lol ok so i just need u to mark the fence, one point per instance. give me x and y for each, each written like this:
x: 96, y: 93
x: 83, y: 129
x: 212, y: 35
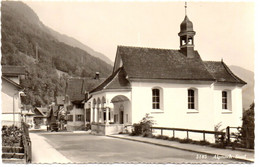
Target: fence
x: 204, y: 132
x: 26, y: 143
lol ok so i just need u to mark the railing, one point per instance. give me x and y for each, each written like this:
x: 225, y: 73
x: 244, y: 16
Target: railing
x: 204, y: 132
x: 26, y: 143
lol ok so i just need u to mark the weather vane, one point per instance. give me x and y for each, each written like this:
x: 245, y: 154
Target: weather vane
x: 185, y: 8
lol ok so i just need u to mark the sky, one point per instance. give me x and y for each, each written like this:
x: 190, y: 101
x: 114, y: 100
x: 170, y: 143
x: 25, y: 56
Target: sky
x: 224, y: 30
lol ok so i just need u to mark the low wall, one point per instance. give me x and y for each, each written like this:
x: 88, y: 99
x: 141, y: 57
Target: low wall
x: 75, y: 125
x: 74, y: 128
x: 103, y: 129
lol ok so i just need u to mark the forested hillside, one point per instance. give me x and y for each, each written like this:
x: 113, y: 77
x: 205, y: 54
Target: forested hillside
x: 248, y: 89
x: 73, y: 42
x: 23, y: 34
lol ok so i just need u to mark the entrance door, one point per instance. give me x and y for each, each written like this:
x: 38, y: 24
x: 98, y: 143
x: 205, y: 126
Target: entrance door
x: 121, y: 117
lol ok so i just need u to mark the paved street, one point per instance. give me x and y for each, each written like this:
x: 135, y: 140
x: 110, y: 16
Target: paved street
x: 86, y: 148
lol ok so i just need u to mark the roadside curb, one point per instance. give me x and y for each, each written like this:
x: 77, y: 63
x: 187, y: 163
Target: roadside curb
x: 185, y: 149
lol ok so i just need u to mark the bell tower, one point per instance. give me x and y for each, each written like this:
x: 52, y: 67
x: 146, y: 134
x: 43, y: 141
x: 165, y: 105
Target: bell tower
x: 187, y: 36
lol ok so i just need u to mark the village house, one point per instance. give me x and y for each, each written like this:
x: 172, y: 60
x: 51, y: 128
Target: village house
x: 61, y: 111
x: 40, y: 117
x: 55, y: 112
x: 12, y: 92
x: 176, y: 87
x: 27, y: 117
x: 76, y: 92
x: 52, y: 115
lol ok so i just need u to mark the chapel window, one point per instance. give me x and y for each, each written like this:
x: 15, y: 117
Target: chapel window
x: 224, y: 100
x: 191, y: 99
x: 156, y: 99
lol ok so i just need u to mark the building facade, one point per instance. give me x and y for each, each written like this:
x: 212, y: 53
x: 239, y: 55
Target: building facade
x: 11, y: 94
x: 75, y: 95
x: 176, y: 87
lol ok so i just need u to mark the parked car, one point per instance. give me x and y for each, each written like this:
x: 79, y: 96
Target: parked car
x: 54, y: 127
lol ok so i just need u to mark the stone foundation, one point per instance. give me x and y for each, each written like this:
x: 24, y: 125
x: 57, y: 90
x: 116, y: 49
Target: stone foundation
x: 102, y: 129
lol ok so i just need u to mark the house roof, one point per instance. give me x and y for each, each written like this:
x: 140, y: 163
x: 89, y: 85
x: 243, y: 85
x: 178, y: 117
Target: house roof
x: 8, y: 70
x: 221, y: 72
x: 77, y: 87
x: 39, y: 111
x: 60, y: 100
x: 62, y: 110
x: 11, y: 82
x: 153, y: 63
x: 116, y: 81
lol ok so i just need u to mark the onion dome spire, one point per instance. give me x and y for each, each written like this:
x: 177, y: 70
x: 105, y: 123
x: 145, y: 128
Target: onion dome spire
x: 187, y: 36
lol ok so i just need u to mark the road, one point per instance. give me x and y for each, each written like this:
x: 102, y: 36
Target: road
x: 86, y: 148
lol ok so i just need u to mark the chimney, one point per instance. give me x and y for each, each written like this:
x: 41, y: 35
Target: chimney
x: 97, y: 75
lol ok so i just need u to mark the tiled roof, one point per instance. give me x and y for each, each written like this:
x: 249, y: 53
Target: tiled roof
x: 221, y: 72
x: 13, y: 70
x: 41, y: 111
x: 60, y: 100
x: 116, y: 81
x: 77, y: 87
x: 11, y: 82
x: 53, y: 110
x: 152, y: 63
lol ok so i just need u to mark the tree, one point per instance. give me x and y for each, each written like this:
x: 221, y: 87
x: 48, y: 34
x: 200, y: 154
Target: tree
x: 248, y: 127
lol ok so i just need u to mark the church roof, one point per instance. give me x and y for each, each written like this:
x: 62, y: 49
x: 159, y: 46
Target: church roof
x: 152, y: 63
x: 164, y: 64
x: 221, y: 72
x: 186, y: 25
x: 116, y: 81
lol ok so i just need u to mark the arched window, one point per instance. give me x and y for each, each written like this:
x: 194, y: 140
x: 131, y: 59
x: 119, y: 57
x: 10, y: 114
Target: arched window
x: 224, y: 100
x: 190, y: 41
x: 156, y: 98
x: 191, y: 99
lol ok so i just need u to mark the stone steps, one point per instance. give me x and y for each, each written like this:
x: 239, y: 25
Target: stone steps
x: 10, y: 149
x: 13, y: 161
x: 12, y: 155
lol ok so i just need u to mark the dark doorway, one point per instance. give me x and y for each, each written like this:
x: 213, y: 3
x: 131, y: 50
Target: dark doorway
x: 121, y: 117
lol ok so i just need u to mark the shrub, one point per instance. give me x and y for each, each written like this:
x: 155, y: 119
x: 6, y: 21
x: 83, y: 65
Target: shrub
x: 165, y: 137
x: 148, y: 134
x: 88, y: 126
x: 137, y: 129
x: 202, y: 142
x: 219, y: 145
x: 11, y: 136
x: 143, y: 127
x: 162, y: 137
x: 185, y: 141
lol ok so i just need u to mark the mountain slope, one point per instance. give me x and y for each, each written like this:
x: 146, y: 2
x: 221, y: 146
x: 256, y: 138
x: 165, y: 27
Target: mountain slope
x: 24, y: 35
x: 248, y: 89
x: 75, y: 43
